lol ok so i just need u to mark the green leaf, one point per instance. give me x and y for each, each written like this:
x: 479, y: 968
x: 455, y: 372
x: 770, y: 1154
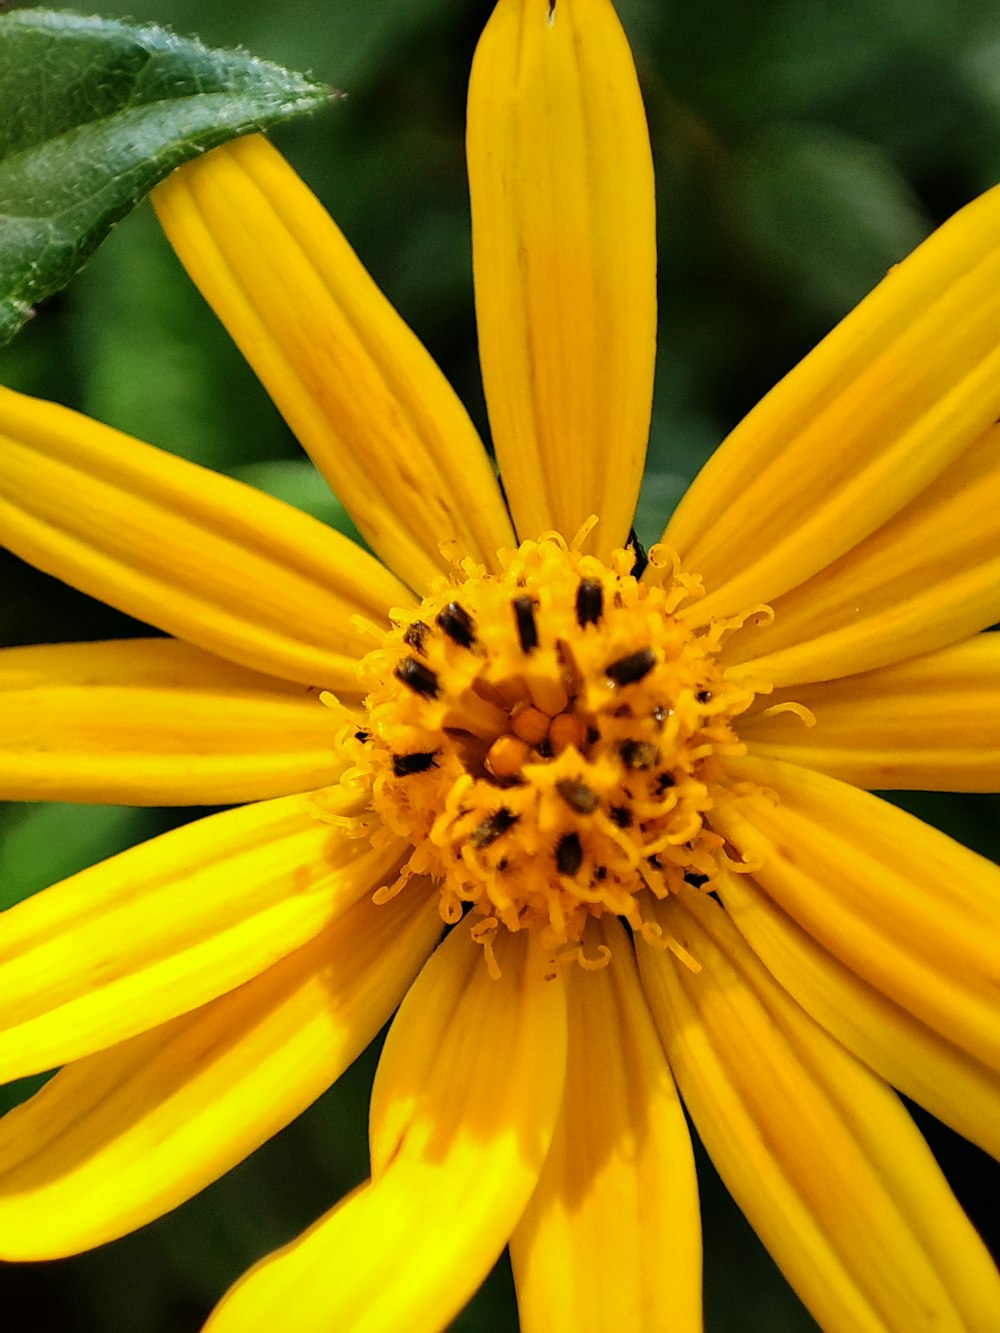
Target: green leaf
x: 296, y: 481
x: 152, y: 359
x: 661, y: 493
x: 93, y: 113
x: 827, y: 212
x: 42, y: 843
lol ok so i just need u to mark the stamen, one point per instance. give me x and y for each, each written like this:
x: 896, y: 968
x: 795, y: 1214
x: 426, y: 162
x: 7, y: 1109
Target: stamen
x: 486, y: 833
x: 628, y: 670
x: 589, y: 602
x: 405, y: 765
x: 569, y: 854
x: 457, y: 624
x: 414, y: 636
x: 418, y: 678
x: 527, y: 629
x: 641, y: 755
x: 578, y: 796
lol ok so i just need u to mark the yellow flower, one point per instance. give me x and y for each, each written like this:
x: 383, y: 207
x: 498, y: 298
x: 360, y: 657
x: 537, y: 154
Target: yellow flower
x: 513, y: 734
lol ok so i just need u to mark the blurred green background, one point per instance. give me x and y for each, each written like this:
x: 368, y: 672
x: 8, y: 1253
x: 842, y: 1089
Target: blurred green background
x: 801, y: 148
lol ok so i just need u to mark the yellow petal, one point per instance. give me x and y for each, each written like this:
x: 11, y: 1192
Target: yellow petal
x: 928, y: 724
x: 914, y: 914
x: 155, y: 722
x: 197, y: 554
x: 950, y: 1084
x: 818, y: 1152
x: 931, y: 576
x: 123, y: 1136
x: 901, y: 387
x: 564, y: 254
x: 465, y: 1100
x: 166, y: 926
x: 354, y: 383
x: 612, y: 1235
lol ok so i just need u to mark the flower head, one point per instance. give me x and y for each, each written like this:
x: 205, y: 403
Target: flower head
x: 592, y: 823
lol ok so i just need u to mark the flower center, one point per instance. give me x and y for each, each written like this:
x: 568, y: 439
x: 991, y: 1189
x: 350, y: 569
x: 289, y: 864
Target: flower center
x: 548, y: 739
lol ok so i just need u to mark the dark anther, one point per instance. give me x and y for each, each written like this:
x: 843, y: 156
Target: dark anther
x: 569, y: 854
x: 593, y: 735
x: 361, y: 736
x: 696, y: 881
x: 622, y: 816
x: 414, y: 636
x: 544, y: 749
x: 578, y: 796
x: 704, y: 696
x: 664, y: 781
x: 404, y: 765
x: 492, y: 827
x: 639, y: 754
x: 601, y: 872
x: 627, y: 670
x: 417, y: 677
x: 527, y: 630
x: 589, y: 602
x: 457, y: 624
x: 641, y: 558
